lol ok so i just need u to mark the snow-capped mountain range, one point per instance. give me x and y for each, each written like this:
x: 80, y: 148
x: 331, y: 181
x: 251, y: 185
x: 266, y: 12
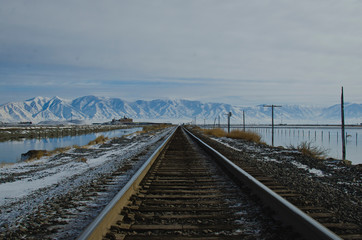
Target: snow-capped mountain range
x: 101, y: 109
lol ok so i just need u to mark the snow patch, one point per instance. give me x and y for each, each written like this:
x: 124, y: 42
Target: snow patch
x: 27, y: 185
x: 314, y: 171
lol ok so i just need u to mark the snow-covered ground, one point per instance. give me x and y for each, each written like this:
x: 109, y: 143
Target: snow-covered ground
x: 66, y: 190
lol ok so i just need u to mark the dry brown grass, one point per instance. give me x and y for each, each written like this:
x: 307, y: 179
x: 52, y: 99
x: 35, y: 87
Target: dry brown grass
x: 5, y: 164
x: 149, y: 128
x: 155, y: 127
x: 58, y: 150
x: 98, y: 140
x: 216, y: 132
x: 44, y: 153
x: 235, y: 134
x: 81, y: 159
x: 38, y: 154
x: 246, y: 135
x: 307, y: 149
x: 80, y: 147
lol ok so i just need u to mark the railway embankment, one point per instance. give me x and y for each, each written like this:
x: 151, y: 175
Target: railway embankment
x: 58, y: 196
x: 330, y: 184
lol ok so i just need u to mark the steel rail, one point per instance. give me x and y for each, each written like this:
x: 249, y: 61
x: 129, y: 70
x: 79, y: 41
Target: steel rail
x: 98, y: 228
x: 290, y: 214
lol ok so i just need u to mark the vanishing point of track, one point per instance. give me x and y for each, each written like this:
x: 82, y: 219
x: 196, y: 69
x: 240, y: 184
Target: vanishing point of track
x: 181, y: 192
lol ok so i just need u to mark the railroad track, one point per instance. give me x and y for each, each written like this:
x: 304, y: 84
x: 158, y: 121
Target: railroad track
x: 181, y: 192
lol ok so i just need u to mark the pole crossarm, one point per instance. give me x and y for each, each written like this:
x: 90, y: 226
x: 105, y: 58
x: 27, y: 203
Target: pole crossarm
x: 272, y: 106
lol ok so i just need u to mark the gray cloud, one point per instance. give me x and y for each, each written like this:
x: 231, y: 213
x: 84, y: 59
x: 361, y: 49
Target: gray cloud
x: 300, y: 51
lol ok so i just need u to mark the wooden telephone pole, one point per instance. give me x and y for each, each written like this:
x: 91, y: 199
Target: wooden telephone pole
x: 244, y: 120
x: 229, y: 116
x: 272, y: 107
x: 343, y: 134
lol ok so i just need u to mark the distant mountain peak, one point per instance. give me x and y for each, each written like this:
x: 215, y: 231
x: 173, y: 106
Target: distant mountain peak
x: 38, y: 98
x: 100, y: 109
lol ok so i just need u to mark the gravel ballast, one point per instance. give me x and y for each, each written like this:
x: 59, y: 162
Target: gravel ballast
x: 332, y: 184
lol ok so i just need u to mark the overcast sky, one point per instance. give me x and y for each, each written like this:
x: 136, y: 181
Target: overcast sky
x: 242, y: 52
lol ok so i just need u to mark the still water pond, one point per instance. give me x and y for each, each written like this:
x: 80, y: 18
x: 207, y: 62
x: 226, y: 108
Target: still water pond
x: 328, y: 138
x: 11, y: 151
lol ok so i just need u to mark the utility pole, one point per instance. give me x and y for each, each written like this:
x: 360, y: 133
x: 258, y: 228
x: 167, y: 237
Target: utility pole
x: 343, y: 134
x: 244, y: 120
x: 272, y: 107
x: 229, y: 115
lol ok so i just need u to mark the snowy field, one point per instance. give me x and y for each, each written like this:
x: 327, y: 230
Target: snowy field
x: 62, y: 193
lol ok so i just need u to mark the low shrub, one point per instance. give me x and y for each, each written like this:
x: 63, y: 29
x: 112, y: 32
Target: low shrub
x: 236, y: 134
x: 37, y: 154
x: 246, y: 135
x: 58, y: 150
x: 306, y: 148
x: 33, y: 154
x: 98, y: 140
x: 80, y: 147
x: 216, y: 132
x: 82, y: 159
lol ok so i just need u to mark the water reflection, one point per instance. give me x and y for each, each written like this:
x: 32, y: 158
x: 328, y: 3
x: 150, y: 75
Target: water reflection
x: 11, y: 150
x: 326, y: 137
